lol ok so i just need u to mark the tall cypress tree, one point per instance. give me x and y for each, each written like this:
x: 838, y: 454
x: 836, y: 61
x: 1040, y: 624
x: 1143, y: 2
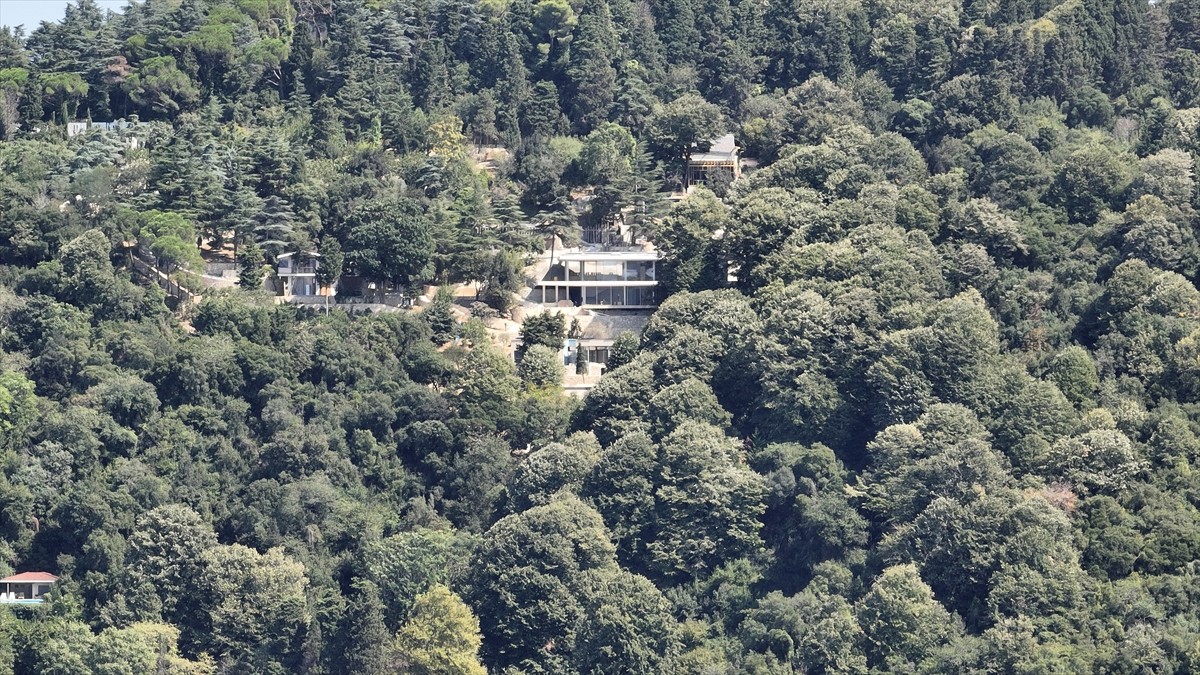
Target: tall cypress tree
x: 431, y: 76
x: 512, y: 89
x: 367, y: 645
x: 590, y: 67
x: 541, y: 115
x: 679, y: 36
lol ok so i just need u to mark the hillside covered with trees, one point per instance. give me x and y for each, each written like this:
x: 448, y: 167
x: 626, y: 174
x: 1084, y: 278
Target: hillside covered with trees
x: 923, y: 398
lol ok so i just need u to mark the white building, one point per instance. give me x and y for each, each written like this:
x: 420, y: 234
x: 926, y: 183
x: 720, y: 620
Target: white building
x: 123, y: 127
x: 298, y: 276
x: 602, y: 279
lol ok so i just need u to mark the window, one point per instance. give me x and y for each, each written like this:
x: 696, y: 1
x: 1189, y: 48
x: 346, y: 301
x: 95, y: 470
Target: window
x: 642, y: 270
x: 604, y: 271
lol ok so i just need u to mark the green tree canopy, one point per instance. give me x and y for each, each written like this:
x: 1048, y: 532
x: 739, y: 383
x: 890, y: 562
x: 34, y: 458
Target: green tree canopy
x: 440, y: 637
x: 389, y: 241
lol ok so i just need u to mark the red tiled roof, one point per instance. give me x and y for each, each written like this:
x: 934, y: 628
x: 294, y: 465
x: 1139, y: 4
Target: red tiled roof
x: 30, y: 577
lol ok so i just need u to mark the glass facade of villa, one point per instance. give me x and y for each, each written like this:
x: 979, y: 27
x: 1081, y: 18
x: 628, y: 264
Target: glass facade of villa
x: 602, y: 280
x: 298, y: 276
x: 602, y: 270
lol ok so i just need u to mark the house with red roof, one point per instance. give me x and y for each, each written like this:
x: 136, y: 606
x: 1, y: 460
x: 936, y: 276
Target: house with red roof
x: 26, y: 587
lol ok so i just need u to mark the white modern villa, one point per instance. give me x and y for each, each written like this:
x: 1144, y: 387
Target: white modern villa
x: 601, y: 280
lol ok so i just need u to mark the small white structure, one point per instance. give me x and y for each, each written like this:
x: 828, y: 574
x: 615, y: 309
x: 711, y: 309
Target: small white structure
x: 121, y: 126
x: 26, y: 588
x: 721, y: 156
x: 602, y: 279
x: 298, y: 276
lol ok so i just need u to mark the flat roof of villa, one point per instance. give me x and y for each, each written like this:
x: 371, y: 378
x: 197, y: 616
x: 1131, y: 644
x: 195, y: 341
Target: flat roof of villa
x: 587, y: 256
x: 723, y: 149
x: 608, y: 325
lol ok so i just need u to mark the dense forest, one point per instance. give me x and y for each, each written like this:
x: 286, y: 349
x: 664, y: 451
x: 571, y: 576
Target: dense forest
x: 923, y: 398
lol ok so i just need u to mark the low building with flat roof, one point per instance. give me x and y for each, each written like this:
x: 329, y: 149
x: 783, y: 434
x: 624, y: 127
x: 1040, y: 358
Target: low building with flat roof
x: 600, y: 330
x: 123, y: 127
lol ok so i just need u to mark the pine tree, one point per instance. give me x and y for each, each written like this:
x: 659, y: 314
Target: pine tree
x: 559, y: 222
x: 541, y: 115
x: 274, y: 228
x: 329, y: 133
x: 431, y: 76
x: 486, y: 67
x: 512, y: 90
x: 680, y: 39
x: 241, y: 209
x: 388, y: 35
x: 12, y: 55
x: 641, y: 189
x: 171, y: 171
x: 439, y: 318
x: 506, y: 208
x: 634, y: 98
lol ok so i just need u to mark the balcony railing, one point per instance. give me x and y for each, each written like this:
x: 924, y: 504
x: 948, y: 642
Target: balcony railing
x: 307, y: 268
